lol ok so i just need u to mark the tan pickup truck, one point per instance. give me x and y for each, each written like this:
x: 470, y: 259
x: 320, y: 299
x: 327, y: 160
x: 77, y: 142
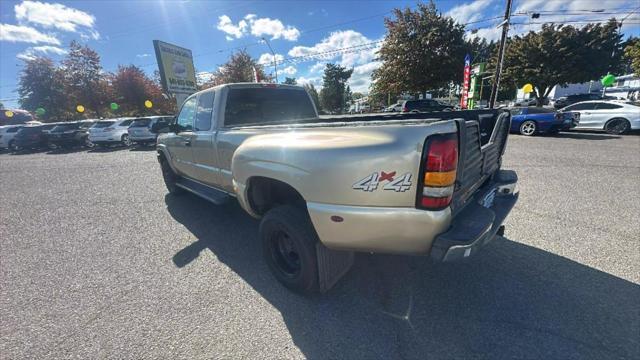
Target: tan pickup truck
x: 324, y: 187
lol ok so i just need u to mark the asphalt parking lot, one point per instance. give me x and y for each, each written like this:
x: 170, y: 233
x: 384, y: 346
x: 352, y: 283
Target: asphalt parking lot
x: 97, y: 261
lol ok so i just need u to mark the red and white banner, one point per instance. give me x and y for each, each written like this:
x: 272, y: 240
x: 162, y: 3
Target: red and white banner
x: 465, y: 82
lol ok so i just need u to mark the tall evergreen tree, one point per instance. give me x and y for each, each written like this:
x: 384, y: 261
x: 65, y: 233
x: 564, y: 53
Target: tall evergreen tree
x: 334, y: 88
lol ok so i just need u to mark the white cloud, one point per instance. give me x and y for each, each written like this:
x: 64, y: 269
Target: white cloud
x: 315, y: 81
x: 274, y: 28
x: 203, y: 76
x: 227, y: 26
x: 340, y: 40
x: 143, y: 55
x: 258, y: 27
x: 290, y: 70
x: 267, y: 59
x: 317, y: 67
x: 20, y: 33
x: 469, y: 12
x: 56, y: 16
x: 361, y: 77
x: 360, y: 55
x: 30, y: 53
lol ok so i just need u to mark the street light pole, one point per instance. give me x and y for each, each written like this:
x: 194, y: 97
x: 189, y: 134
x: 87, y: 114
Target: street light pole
x: 275, y: 67
x: 503, y: 42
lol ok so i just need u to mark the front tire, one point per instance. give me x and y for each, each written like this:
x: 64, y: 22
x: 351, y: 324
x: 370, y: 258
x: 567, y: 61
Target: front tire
x: 289, y: 248
x: 528, y: 128
x: 170, y: 178
x: 617, y: 126
x: 125, y: 140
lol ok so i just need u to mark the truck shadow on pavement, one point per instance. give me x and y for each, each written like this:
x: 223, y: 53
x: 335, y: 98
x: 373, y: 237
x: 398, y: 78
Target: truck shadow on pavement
x: 513, y: 301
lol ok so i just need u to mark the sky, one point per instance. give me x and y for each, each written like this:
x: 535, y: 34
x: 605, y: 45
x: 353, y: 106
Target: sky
x: 304, y: 35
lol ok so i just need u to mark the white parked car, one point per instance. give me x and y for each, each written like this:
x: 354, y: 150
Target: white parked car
x: 615, y: 117
x: 141, y: 131
x: 110, y: 132
x: 7, y: 133
x: 394, y: 108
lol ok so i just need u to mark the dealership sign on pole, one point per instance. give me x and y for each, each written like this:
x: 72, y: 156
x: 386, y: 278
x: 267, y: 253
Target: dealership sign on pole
x: 465, y: 82
x: 177, y: 73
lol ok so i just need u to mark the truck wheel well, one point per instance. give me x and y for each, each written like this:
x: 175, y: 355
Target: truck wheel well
x: 264, y: 194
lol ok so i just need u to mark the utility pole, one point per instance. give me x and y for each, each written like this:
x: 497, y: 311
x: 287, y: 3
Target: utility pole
x: 503, y: 42
x: 275, y: 67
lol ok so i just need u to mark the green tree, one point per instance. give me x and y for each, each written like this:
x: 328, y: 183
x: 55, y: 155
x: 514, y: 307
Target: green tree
x: 290, y: 81
x: 132, y: 87
x: 333, y: 96
x: 239, y: 68
x: 560, y: 55
x: 357, y: 95
x: 632, y: 54
x: 85, y: 82
x: 41, y: 85
x: 422, y: 50
x: 314, y: 94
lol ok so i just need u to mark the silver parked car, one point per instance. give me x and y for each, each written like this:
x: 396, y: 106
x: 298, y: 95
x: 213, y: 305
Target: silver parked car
x: 110, y: 132
x: 144, y: 131
x: 615, y: 117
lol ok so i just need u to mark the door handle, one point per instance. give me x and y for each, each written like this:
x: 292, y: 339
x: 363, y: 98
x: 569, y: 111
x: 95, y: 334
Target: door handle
x: 187, y: 142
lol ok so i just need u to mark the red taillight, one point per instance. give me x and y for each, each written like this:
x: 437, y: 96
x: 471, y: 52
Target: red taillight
x: 442, y: 155
x: 405, y: 109
x: 440, y: 168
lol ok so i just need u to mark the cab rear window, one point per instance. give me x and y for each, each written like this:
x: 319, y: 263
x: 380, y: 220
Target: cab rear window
x: 259, y: 106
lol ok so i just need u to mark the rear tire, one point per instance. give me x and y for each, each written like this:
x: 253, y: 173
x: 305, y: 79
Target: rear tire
x: 125, y: 140
x: 289, y: 248
x: 617, y: 126
x: 170, y: 178
x: 528, y: 128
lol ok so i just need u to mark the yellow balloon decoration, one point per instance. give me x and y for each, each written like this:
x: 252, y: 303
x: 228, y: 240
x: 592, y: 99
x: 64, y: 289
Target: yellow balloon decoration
x: 148, y: 104
x: 8, y: 113
x: 527, y: 88
x: 80, y: 108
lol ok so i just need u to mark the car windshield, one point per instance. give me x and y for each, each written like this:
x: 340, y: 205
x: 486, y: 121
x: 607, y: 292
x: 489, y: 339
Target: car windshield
x: 103, y: 124
x: 141, y: 123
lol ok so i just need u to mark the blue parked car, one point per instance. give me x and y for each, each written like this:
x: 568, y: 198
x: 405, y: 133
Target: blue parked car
x: 529, y: 121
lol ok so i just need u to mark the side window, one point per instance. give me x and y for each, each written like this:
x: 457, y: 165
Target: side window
x: 607, y: 106
x: 126, y: 123
x: 204, y: 112
x: 581, y: 106
x: 187, y: 113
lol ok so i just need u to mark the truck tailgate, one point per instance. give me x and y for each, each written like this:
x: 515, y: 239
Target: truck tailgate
x: 482, y: 144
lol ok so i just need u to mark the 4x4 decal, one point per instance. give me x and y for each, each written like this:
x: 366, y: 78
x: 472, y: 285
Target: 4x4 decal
x: 371, y: 182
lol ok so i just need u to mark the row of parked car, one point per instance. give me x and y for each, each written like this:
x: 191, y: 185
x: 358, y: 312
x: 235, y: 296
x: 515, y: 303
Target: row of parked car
x: 87, y: 133
x: 612, y: 116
